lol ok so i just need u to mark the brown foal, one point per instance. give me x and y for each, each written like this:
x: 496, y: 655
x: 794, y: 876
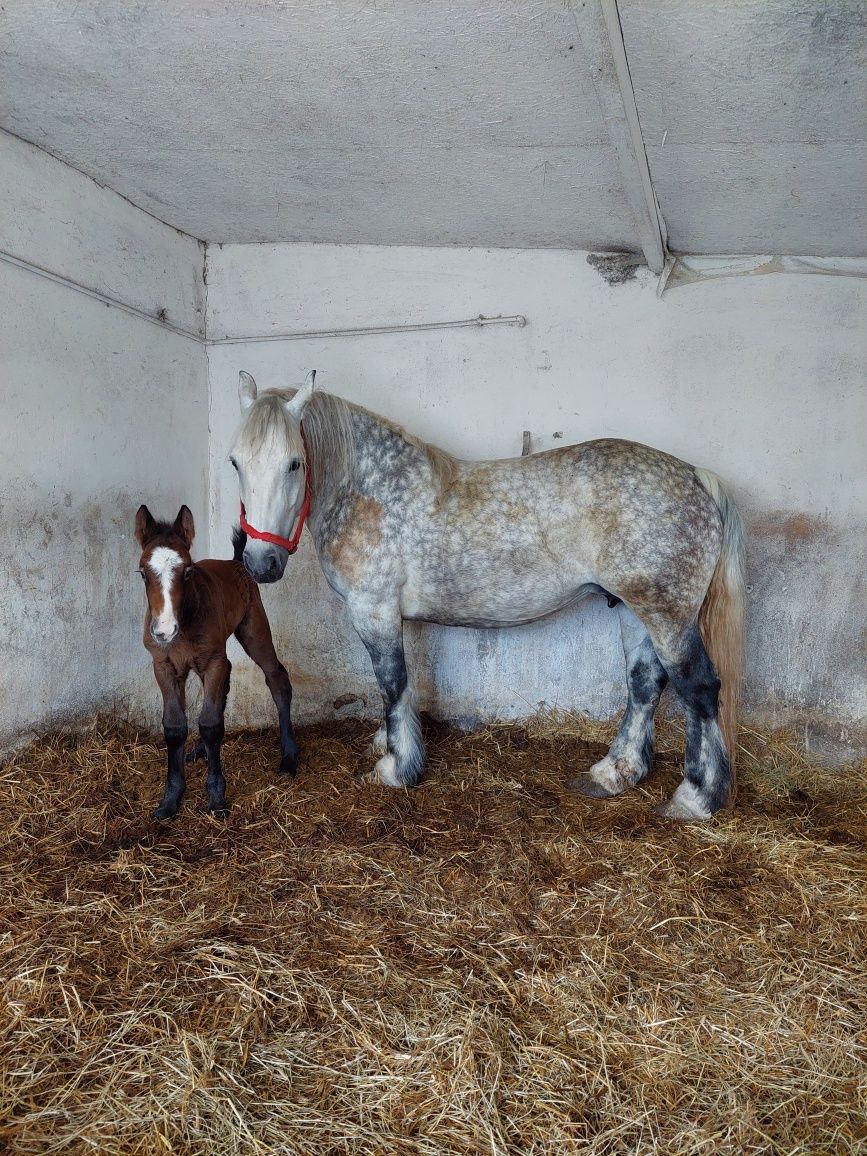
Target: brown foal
x: 192, y: 609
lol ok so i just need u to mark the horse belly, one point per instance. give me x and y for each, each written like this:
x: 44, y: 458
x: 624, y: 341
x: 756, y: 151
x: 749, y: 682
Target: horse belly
x: 504, y: 590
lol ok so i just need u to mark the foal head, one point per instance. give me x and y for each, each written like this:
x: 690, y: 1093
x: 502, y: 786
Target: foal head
x: 165, y: 565
x: 270, y: 459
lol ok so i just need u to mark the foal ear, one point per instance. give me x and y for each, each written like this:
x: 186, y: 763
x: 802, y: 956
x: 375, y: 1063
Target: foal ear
x: 247, y: 391
x: 184, y: 526
x: 144, y: 525
x: 296, y: 405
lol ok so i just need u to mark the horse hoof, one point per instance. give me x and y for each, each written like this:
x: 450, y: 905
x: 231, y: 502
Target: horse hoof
x: 379, y: 743
x: 194, y: 754
x: 680, y: 814
x: 386, y: 773
x: 164, y: 812
x: 584, y: 784
x: 686, y: 805
x: 288, y: 766
x: 219, y: 812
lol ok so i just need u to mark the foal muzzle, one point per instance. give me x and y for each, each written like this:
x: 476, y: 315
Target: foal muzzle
x: 161, y: 637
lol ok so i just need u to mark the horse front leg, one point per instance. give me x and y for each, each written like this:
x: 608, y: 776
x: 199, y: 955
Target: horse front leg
x: 402, y: 762
x: 629, y: 757
x: 175, y: 733
x: 215, y: 680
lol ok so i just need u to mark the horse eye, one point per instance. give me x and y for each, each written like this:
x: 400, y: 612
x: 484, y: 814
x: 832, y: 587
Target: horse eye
x: 294, y: 464
x: 143, y: 573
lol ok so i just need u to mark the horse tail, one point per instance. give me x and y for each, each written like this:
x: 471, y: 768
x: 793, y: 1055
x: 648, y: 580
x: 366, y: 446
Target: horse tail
x: 239, y: 542
x: 721, y: 617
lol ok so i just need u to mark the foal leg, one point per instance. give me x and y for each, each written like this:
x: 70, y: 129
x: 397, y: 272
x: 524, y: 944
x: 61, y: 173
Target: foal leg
x: 175, y: 732
x: 254, y: 634
x: 215, y: 679
x: 628, y: 760
x: 707, y: 779
x: 402, y: 763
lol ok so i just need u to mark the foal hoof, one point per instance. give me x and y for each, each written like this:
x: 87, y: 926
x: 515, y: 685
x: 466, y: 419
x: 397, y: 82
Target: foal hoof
x: 219, y: 812
x: 288, y: 766
x: 585, y: 784
x: 165, y: 811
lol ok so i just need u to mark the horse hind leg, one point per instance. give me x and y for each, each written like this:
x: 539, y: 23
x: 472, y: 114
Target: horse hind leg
x: 707, y: 778
x: 629, y: 757
x: 254, y: 635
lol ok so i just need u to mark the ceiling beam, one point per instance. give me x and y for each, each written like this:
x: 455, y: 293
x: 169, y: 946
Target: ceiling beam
x: 598, y: 25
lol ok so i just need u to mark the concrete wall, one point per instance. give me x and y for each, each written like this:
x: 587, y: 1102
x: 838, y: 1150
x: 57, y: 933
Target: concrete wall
x: 99, y: 410
x: 758, y: 378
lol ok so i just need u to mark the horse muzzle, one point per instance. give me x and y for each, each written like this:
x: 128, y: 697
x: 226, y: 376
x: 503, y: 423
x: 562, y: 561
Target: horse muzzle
x: 164, y: 637
x: 265, y: 563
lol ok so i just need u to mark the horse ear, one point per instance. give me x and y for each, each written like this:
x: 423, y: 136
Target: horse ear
x: 184, y: 526
x: 247, y: 391
x: 296, y: 405
x: 144, y: 525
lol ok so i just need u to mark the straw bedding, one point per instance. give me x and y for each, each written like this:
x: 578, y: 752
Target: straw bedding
x: 483, y: 965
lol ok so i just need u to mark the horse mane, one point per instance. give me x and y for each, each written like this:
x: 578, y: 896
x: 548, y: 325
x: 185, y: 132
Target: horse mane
x: 444, y: 466
x: 330, y: 435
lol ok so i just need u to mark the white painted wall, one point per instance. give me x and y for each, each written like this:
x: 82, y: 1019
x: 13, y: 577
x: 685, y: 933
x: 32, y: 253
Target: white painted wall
x: 99, y: 411
x: 758, y: 378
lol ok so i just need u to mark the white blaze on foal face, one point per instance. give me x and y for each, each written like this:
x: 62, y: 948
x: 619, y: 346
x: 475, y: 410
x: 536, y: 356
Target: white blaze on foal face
x: 164, y: 565
x: 164, y: 568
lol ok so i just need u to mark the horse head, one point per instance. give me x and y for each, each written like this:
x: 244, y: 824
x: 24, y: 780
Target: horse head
x: 270, y: 458
x: 165, y: 564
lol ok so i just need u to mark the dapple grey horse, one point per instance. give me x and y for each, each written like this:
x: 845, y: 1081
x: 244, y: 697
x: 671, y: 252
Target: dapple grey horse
x: 406, y: 531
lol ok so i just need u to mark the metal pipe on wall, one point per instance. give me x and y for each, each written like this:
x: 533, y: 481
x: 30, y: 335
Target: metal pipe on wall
x: 479, y: 322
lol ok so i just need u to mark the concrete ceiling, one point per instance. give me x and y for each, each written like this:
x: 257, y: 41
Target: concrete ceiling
x: 762, y: 107
x: 467, y: 122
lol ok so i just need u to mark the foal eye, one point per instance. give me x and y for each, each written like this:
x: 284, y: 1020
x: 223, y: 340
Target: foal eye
x: 143, y: 574
x: 294, y: 464
x: 234, y: 463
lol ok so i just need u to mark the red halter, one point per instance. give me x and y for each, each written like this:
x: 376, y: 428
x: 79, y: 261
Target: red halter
x: 290, y: 545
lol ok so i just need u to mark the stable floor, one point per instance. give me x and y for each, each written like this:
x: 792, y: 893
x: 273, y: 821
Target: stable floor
x: 484, y: 965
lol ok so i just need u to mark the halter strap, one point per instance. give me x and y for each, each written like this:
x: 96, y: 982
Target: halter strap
x: 290, y: 545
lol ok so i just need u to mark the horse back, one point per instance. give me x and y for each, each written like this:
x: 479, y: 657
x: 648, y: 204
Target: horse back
x: 521, y: 537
